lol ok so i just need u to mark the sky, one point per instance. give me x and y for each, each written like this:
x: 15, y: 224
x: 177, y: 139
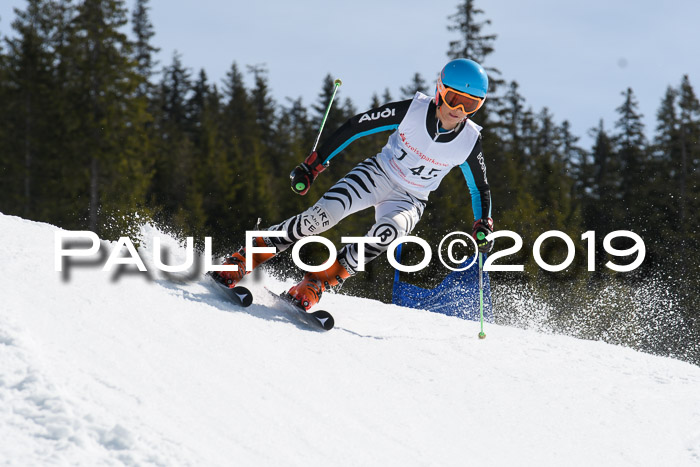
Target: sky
x: 575, y: 58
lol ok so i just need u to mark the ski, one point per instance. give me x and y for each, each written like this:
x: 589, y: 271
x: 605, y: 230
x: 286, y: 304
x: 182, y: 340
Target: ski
x: 320, y: 318
x: 242, y: 297
x: 239, y: 295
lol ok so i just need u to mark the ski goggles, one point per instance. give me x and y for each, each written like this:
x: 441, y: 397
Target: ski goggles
x: 457, y: 99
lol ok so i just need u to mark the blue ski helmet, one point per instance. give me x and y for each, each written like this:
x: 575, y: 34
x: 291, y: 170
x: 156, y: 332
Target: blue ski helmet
x: 466, y: 77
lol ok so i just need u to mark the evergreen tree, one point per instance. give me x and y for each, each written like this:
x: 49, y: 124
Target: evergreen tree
x: 143, y: 50
x: 349, y: 108
x: 244, y: 146
x: 297, y: 137
x: 173, y: 165
x: 28, y: 99
x: 667, y: 138
x: 509, y: 176
x: 574, y: 160
x: 175, y: 90
x: 103, y: 83
x: 545, y: 184
x: 572, y: 153
x: 197, y: 103
x: 472, y: 42
x: 687, y: 166
x: 511, y: 116
x: 210, y: 184
x: 38, y: 120
x: 266, y: 159
x: 263, y: 103
x: 661, y: 187
x: 5, y: 173
x: 145, y: 98
x: 239, y: 112
x: 675, y: 191
x: 336, y: 116
x: 631, y: 152
x: 551, y: 187
x: 687, y: 193
x: 417, y: 84
x: 386, y: 97
x: 663, y: 172
x: 603, y: 211
x: 301, y: 131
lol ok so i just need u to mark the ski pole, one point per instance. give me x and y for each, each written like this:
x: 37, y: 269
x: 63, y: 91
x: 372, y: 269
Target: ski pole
x: 336, y: 84
x: 482, y: 335
x: 300, y: 184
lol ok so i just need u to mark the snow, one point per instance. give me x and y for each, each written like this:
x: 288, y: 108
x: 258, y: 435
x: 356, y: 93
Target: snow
x: 101, y: 368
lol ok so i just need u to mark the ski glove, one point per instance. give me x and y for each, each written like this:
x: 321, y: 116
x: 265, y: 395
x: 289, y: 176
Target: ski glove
x: 481, y: 229
x: 305, y: 173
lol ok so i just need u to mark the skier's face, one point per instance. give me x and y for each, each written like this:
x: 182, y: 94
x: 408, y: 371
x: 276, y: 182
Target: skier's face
x: 449, y: 118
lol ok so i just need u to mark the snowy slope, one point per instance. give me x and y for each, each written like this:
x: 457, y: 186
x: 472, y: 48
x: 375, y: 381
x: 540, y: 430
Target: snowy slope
x: 104, y: 370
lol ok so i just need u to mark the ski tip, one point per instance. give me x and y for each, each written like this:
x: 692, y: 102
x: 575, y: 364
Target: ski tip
x: 324, y: 318
x: 242, y: 295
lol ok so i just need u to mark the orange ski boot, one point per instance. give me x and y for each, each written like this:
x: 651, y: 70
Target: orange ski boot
x: 308, y: 292
x: 231, y: 278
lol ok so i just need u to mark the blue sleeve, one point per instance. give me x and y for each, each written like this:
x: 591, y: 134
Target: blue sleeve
x: 474, y: 170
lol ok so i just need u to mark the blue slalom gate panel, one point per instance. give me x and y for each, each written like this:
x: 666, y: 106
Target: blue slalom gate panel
x: 457, y: 295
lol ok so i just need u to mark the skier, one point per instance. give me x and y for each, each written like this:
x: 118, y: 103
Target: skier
x: 430, y: 137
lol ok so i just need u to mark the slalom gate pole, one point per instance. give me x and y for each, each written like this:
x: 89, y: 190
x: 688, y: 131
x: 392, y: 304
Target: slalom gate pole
x: 482, y: 335
x: 336, y: 84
